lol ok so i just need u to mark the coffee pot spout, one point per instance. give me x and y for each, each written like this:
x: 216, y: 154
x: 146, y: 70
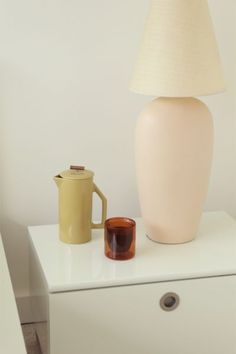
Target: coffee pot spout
x: 58, y: 180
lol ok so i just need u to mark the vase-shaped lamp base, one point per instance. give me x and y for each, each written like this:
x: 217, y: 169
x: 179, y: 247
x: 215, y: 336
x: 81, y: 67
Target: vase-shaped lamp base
x: 174, y: 144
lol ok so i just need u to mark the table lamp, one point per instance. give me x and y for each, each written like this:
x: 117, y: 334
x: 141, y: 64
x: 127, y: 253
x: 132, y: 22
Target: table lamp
x: 178, y: 59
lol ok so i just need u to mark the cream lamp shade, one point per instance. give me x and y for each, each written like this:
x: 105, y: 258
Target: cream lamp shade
x: 178, y: 55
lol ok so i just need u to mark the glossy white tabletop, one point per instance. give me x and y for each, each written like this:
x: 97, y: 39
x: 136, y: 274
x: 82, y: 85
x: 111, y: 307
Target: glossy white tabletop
x: 73, y: 267
x: 11, y: 338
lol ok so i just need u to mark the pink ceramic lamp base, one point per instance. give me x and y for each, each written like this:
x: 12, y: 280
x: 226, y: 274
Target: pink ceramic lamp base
x: 174, y: 144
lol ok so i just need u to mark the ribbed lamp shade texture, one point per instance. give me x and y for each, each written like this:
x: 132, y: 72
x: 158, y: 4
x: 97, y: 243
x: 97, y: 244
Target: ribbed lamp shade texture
x: 178, y: 55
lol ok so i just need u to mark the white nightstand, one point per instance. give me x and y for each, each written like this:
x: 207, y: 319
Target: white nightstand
x: 93, y: 305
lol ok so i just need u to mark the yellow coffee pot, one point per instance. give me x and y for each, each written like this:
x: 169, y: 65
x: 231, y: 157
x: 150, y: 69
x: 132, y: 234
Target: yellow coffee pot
x: 76, y: 188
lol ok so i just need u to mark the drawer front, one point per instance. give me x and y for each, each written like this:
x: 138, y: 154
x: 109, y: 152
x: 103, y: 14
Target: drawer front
x: 197, y: 317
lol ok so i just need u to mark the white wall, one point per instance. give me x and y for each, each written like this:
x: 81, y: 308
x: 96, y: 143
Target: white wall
x: 222, y: 191
x: 64, y: 74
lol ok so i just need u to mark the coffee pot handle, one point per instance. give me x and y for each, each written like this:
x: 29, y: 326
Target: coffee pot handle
x: 104, y: 208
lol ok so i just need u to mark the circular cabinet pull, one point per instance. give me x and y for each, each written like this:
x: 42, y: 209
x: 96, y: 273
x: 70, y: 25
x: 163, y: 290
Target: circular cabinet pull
x: 169, y: 301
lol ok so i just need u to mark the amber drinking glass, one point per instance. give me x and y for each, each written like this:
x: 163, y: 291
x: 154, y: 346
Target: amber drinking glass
x: 120, y: 238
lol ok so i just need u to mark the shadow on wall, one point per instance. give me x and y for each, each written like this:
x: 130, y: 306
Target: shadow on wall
x: 15, y: 240
x: 14, y: 234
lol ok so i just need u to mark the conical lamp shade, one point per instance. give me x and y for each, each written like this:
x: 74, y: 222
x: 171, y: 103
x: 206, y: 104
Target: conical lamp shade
x: 179, y: 55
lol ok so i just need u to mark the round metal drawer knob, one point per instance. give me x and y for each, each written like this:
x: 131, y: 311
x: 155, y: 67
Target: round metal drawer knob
x: 169, y: 301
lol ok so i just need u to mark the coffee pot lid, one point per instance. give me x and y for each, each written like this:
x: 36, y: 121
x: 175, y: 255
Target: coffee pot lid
x: 77, y: 172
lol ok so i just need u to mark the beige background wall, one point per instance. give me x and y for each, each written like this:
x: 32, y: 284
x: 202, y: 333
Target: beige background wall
x: 222, y: 193
x: 64, y: 74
